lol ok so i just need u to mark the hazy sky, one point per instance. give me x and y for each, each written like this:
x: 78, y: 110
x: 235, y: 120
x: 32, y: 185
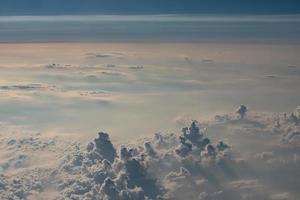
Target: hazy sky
x: 150, y: 20
x: 53, y: 7
x: 151, y: 28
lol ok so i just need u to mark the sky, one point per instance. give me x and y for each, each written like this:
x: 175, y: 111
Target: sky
x: 266, y: 21
x: 151, y: 28
x: 70, y: 7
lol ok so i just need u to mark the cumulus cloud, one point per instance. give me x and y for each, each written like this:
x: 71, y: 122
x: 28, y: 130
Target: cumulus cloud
x: 192, y: 165
x: 23, y: 170
x: 241, y: 111
x: 145, y: 172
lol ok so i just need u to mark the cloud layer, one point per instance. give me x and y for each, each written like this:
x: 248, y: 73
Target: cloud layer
x: 192, y: 165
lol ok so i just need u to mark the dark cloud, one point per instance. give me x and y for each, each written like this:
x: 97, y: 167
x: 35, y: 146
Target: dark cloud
x: 136, y: 67
x: 207, y: 61
x: 112, y: 73
x: 241, y: 111
x: 105, y: 55
x: 27, y: 86
x: 271, y: 76
x: 104, y: 147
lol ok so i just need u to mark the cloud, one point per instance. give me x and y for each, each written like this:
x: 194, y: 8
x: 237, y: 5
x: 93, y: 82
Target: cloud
x: 26, y: 160
x: 104, y: 147
x: 273, y: 76
x: 138, y: 172
x: 32, y: 92
x: 105, y: 55
x: 207, y: 61
x: 136, y: 67
x: 241, y: 111
x: 110, y: 65
x: 195, y: 164
x: 27, y: 86
x: 110, y: 73
x: 25, y: 90
x: 57, y: 66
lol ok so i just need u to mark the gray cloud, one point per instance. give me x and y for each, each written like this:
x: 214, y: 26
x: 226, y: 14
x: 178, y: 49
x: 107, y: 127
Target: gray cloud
x: 28, y: 86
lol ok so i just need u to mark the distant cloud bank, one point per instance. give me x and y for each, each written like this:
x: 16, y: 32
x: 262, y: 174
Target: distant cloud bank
x: 38, y: 7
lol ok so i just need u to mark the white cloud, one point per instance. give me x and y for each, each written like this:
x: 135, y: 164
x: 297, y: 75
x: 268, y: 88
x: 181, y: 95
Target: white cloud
x: 208, y: 169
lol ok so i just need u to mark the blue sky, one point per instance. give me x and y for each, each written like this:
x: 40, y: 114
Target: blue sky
x: 136, y: 28
x: 63, y: 7
x: 149, y: 20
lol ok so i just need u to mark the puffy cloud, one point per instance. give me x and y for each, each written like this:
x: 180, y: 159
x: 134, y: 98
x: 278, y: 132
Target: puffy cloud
x: 104, y: 147
x: 140, y: 172
x: 19, y: 187
x: 181, y: 185
x: 192, y: 140
x: 20, y: 155
x: 138, y: 177
x: 241, y: 111
x: 184, y: 148
x: 149, y: 150
x: 108, y: 190
x: 171, y: 166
